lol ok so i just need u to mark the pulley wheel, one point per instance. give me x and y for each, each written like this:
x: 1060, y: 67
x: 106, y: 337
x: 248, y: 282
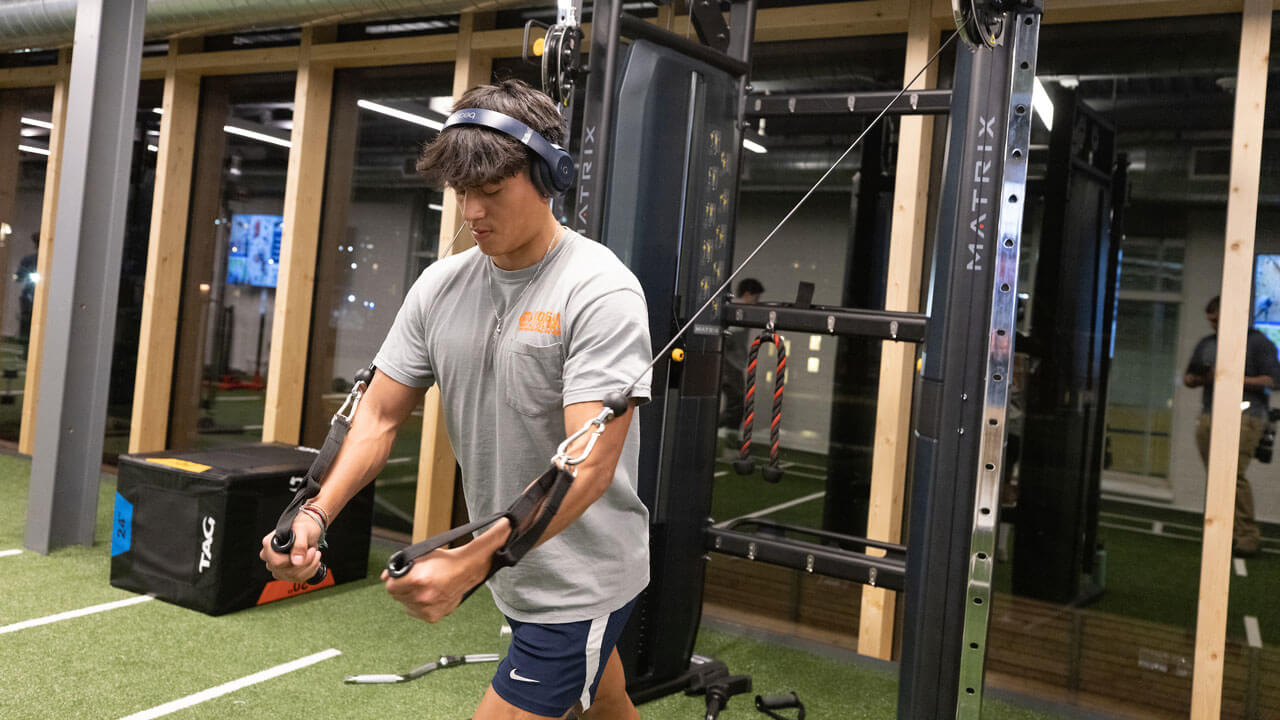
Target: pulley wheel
x: 980, y: 22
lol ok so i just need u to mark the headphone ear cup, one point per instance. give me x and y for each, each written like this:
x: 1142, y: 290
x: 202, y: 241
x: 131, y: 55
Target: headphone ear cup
x: 541, y: 178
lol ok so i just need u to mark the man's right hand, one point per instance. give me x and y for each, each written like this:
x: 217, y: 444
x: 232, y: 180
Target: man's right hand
x: 303, y: 560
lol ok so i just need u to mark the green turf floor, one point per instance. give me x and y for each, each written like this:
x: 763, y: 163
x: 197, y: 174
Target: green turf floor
x: 123, y: 661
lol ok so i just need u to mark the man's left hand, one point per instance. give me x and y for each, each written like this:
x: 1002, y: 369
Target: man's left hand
x: 436, y: 584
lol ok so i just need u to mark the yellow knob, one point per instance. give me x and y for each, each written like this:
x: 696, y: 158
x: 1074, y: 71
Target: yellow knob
x: 919, y: 364
x: 538, y: 45
x: 678, y: 355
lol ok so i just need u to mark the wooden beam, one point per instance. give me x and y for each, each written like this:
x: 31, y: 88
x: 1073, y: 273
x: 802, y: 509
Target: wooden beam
x: 38, y: 76
x: 1228, y: 381
x: 1082, y: 11
x: 433, y: 505
x: 872, y: 17
x: 48, y: 216
x: 303, y: 195
x: 166, y: 247
x: 155, y: 67
x: 237, y: 62
x: 391, y: 51
x: 897, y: 359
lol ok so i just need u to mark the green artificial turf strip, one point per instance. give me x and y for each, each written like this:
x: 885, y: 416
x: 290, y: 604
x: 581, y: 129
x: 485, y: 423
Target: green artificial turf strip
x: 134, y: 658
x: 734, y: 495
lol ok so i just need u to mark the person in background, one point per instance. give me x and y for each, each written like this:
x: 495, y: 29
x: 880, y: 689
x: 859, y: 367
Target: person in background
x: 1261, y: 374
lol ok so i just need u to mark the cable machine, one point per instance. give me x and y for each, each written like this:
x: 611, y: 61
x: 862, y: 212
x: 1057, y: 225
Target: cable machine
x: 659, y: 146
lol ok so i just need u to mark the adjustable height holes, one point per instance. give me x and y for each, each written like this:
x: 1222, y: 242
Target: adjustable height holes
x: 1017, y: 154
x: 973, y: 646
x: 1027, y: 20
x: 1013, y: 198
x: 982, y: 556
x: 1021, y: 109
x: 989, y: 467
x: 1000, y: 332
x: 993, y: 421
x: 977, y: 601
x: 997, y: 377
x: 1008, y: 242
x: 1025, y: 65
x: 970, y: 691
x: 1004, y: 287
x: 985, y: 511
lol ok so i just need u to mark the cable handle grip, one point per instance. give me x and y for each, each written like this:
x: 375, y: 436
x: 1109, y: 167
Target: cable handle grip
x: 283, y: 543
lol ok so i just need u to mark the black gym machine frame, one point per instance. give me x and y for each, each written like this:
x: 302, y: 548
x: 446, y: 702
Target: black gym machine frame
x: 965, y: 337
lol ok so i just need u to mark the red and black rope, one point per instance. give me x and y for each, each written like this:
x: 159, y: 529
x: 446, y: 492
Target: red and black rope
x: 743, y: 465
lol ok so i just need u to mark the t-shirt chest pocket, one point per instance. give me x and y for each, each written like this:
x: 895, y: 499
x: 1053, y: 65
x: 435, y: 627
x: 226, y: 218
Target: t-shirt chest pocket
x: 532, y: 377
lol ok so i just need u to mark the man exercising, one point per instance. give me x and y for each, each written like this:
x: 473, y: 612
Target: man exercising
x: 525, y: 335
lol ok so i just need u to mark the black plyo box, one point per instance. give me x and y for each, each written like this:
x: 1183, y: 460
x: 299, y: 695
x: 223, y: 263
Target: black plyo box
x: 188, y: 526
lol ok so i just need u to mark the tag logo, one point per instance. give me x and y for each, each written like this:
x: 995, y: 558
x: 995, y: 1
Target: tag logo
x: 296, y: 482
x: 206, y: 548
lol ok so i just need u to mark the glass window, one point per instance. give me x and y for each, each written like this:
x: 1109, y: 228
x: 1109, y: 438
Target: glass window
x: 133, y: 269
x: 838, y: 241
x: 26, y: 120
x: 232, y: 260
x: 1120, y: 640
x: 380, y: 230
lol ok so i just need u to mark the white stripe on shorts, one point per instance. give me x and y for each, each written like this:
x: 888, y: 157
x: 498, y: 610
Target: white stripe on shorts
x: 595, y: 637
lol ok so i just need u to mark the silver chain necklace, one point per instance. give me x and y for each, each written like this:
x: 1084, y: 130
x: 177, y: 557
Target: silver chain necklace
x: 489, y: 277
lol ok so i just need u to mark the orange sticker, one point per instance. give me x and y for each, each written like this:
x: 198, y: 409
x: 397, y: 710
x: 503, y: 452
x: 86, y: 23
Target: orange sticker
x: 280, y: 589
x: 187, y: 465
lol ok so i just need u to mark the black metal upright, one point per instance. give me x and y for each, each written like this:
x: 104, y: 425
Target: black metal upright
x: 963, y: 386
x: 1072, y: 314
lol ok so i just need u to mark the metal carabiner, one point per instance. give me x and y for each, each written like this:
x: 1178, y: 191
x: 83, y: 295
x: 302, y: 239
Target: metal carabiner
x: 562, y: 457
x: 353, y: 399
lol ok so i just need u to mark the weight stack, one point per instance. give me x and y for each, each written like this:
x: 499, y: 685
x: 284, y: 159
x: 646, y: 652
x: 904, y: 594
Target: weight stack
x: 188, y: 526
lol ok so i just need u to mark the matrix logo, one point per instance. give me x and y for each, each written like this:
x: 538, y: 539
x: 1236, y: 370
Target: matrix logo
x: 982, y: 181
x: 206, y: 548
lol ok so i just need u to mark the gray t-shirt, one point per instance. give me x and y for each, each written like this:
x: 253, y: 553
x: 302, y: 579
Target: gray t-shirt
x: 580, y: 331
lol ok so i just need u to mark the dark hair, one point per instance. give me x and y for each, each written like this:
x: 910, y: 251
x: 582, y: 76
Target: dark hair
x: 749, y: 285
x: 1212, y: 306
x: 468, y: 156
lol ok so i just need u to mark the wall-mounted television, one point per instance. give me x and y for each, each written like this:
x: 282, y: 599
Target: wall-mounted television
x: 253, y: 256
x: 1266, y: 296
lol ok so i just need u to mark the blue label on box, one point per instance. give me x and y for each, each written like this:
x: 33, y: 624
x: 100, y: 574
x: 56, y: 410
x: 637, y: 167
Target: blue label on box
x: 122, y: 526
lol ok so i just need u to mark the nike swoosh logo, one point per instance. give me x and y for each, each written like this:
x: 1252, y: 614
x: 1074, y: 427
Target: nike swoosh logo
x: 519, y: 678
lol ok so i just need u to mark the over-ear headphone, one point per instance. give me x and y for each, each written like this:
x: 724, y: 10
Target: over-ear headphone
x: 552, y: 176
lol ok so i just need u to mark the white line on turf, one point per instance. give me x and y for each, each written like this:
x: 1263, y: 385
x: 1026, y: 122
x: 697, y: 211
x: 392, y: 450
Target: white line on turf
x: 7, y: 553
x: 722, y: 473
x: 230, y: 687
x: 1252, y: 632
x: 1157, y: 527
x: 774, y: 509
x: 68, y: 615
x: 1240, y: 568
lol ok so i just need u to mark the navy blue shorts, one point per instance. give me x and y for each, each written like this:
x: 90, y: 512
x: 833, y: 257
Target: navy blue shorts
x: 551, y: 667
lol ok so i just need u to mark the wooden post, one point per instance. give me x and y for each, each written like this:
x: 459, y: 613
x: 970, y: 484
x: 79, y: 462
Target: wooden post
x: 1224, y: 443
x: 303, y: 195
x: 897, y: 359
x: 166, y: 248
x: 433, y: 505
x: 48, y: 215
